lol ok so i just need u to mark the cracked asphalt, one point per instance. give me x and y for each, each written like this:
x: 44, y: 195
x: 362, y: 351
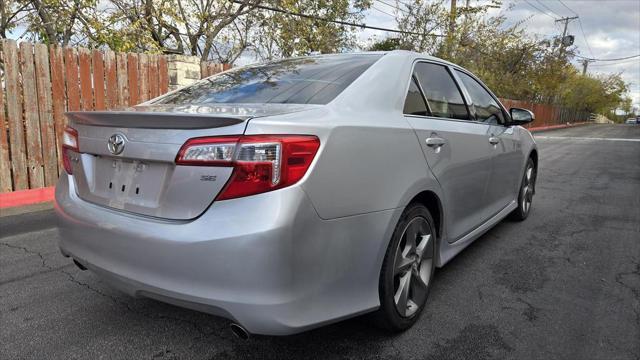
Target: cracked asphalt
x: 564, y: 284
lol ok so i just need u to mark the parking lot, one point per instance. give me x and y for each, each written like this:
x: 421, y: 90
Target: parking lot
x: 564, y: 284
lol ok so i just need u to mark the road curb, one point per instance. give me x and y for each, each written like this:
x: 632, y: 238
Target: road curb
x: 26, y: 197
x: 554, y: 127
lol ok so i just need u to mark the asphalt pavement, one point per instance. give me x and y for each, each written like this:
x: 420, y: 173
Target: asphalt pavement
x: 564, y: 284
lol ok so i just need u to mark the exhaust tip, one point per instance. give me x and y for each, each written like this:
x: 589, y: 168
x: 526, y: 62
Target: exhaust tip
x: 239, y: 331
x: 80, y: 266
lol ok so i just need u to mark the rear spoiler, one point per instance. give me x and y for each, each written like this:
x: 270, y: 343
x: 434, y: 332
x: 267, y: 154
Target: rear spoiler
x: 154, y: 120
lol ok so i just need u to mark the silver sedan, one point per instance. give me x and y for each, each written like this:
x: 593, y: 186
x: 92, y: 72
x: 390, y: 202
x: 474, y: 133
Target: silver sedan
x: 293, y: 194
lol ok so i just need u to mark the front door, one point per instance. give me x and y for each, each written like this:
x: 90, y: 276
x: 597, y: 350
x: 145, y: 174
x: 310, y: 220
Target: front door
x: 457, y: 149
x: 507, y: 155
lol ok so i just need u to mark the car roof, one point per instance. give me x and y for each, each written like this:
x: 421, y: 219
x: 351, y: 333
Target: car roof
x: 398, y: 53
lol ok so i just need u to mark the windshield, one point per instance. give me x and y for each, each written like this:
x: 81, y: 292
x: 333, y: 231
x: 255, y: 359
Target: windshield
x: 308, y: 80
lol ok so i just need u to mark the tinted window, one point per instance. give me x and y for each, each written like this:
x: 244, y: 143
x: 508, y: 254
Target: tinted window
x: 414, y: 103
x: 487, y: 109
x: 310, y: 80
x: 442, y: 93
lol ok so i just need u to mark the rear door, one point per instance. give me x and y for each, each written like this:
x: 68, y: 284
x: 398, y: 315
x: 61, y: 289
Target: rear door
x: 456, y: 148
x: 507, y: 155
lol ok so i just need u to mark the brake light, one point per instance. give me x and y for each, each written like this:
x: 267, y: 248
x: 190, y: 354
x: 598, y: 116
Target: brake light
x: 69, y: 143
x: 260, y: 163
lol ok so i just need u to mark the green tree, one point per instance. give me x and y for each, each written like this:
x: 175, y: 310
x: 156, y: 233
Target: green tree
x: 389, y: 44
x: 12, y: 12
x: 284, y: 35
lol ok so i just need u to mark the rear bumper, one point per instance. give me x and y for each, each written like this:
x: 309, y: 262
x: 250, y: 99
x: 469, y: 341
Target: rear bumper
x: 267, y: 261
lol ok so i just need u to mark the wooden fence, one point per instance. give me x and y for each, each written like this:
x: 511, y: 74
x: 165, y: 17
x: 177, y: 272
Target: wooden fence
x: 38, y: 83
x: 547, y: 114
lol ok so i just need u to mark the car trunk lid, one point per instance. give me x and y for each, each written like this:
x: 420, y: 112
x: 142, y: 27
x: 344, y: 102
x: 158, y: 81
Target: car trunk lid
x: 139, y: 175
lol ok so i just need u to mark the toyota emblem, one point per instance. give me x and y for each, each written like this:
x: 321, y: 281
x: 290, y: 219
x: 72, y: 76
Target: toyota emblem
x: 115, y: 144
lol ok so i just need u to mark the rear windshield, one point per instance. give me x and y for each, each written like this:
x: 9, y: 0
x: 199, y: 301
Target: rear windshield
x: 309, y: 80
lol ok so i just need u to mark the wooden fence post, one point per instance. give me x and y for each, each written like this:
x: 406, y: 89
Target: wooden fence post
x: 86, y: 88
x: 132, y: 73
x: 121, y: 70
x: 143, y: 76
x: 98, y: 79
x: 14, y: 116
x: 45, y: 112
x: 5, y: 165
x: 154, y: 90
x: 111, y: 80
x: 59, y: 96
x: 72, y: 79
x: 31, y: 121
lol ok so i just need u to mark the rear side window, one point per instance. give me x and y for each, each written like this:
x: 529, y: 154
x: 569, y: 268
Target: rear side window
x: 443, y: 95
x: 414, y: 103
x: 487, y: 108
x: 308, y: 80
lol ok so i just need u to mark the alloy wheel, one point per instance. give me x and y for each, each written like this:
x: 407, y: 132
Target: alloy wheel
x: 527, y: 189
x: 413, y: 266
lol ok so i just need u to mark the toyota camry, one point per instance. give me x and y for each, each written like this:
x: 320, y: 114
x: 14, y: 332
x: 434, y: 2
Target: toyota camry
x: 292, y: 194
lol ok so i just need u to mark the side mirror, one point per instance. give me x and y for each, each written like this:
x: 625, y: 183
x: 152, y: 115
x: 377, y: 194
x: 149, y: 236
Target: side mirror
x: 521, y: 116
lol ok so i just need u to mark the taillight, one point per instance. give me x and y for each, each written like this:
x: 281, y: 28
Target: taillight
x: 260, y: 163
x: 208, y: 151
x: 69, y: 143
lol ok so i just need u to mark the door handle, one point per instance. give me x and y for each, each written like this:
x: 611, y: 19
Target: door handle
x: 494, y: 140
x: 435, y: 141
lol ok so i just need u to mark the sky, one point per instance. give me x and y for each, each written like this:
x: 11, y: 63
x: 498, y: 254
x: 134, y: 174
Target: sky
x: 610, y: 29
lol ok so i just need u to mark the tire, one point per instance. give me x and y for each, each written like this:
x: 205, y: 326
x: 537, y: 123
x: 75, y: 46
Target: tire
x: 526, y: 192
x: 407, y: 270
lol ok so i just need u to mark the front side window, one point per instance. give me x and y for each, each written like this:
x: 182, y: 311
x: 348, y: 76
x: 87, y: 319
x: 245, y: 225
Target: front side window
x: 442, y: 93
x: 414, y: 102
x: 307, y: 80
x: 487, y: 109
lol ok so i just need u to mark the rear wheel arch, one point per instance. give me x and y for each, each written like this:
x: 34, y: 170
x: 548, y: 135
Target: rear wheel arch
x: 432, y: 202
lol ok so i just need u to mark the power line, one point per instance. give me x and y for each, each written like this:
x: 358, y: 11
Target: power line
x: 404, y: 3
x: 585, y: 37
x: 392, y: 6
x: 382, y: 11
x: 625, y: 62
x: 617, y: 59
x: 568, y: 8
x: 339, y: 22
x: 537, y: 8
x: 548, y: 8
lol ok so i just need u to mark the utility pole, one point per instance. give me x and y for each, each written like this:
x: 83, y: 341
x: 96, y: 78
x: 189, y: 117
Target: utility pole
x: 452, y: 29
x: 564, y: 32
x: 452, y: 18
x: 585, y: 63
x: 566, y: 23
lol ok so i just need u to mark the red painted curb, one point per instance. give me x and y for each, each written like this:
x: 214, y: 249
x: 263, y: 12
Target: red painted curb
x: 26, y: 197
